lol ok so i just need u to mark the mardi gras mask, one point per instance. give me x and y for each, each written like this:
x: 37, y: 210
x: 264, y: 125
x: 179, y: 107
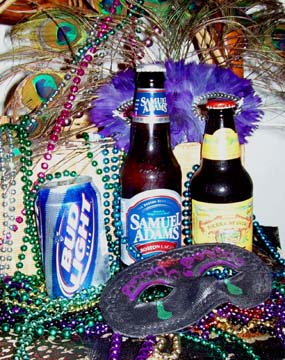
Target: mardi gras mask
x: 192, y: 293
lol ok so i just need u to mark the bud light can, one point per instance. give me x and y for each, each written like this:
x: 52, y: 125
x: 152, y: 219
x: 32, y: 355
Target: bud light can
x: 73, y: 241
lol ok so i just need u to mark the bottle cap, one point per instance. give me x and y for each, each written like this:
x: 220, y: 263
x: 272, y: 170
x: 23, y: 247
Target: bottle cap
x: 221, y: 104
x: 150, y: 68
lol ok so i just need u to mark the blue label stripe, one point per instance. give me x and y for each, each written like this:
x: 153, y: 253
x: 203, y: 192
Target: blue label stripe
x: 151, y: 103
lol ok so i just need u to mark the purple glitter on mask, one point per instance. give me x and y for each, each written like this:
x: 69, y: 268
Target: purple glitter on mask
x: 193, y: 292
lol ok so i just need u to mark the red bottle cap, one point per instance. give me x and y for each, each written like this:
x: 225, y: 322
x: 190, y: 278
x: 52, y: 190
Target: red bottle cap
x: 221, y: 104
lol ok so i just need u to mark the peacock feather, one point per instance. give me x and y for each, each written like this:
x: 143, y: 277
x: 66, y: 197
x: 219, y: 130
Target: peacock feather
x: 14, y: 11
x: 34, y: 92
x: 55, y: 30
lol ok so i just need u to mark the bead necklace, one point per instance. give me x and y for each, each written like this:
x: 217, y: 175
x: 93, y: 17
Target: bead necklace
x: 69, y: 327
x: 66, y: 332
x: 7, y: 180
x: 209, y: 345
x: 111, y: 196
x: 26, y: 308
x: 38, y: 327
x: 233, y: 339
x: 146, y: 348
x: 81, y: 61
x: 159, y: 352
x: 115, y: 348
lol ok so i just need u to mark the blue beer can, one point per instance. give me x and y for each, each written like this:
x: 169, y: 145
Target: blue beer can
x: 72, y: 236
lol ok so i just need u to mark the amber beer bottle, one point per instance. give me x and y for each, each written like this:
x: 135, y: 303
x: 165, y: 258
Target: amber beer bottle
x: 221, y: 189
x: 150, y: 174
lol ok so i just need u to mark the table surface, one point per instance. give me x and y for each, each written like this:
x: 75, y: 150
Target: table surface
x: 98, y: 349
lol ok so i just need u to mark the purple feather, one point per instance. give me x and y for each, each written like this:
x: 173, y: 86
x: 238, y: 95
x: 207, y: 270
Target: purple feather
x: 185, y: 83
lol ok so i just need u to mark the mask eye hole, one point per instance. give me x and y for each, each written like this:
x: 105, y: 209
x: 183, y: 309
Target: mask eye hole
x: 154, y: 293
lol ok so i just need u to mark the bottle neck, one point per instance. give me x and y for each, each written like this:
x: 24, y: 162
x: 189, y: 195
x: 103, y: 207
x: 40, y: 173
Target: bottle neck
x: 220, y: 119
x: 150, y: 80
x: 220, y: 142
x: 150, y: 128
x: 150, y: 99
x: 222, y: 165
x: 149, y: 138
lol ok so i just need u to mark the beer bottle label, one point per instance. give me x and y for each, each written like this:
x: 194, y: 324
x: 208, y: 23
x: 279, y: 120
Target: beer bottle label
x: 150, y: 106
x: 222, y: 145
x: 223, y: 223
x: 151, y: 223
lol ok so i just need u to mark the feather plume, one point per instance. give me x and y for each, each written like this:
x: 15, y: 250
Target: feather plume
x: 245, y: 36
x: 14, y: 11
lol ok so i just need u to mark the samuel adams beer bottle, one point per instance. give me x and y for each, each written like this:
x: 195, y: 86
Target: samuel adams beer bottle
x: 150, y: 175
x: 221, y: 189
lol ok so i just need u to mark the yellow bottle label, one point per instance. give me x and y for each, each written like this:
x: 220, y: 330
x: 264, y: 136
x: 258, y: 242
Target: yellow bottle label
x: 223, y: 223
x: 222, y: 145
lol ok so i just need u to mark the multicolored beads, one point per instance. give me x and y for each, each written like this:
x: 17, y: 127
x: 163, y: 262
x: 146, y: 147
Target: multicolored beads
x: 25, y: 309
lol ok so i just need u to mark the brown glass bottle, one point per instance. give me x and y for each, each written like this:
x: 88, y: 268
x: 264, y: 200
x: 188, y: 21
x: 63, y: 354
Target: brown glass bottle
x: 150, y: 174
x: 221, y: 189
